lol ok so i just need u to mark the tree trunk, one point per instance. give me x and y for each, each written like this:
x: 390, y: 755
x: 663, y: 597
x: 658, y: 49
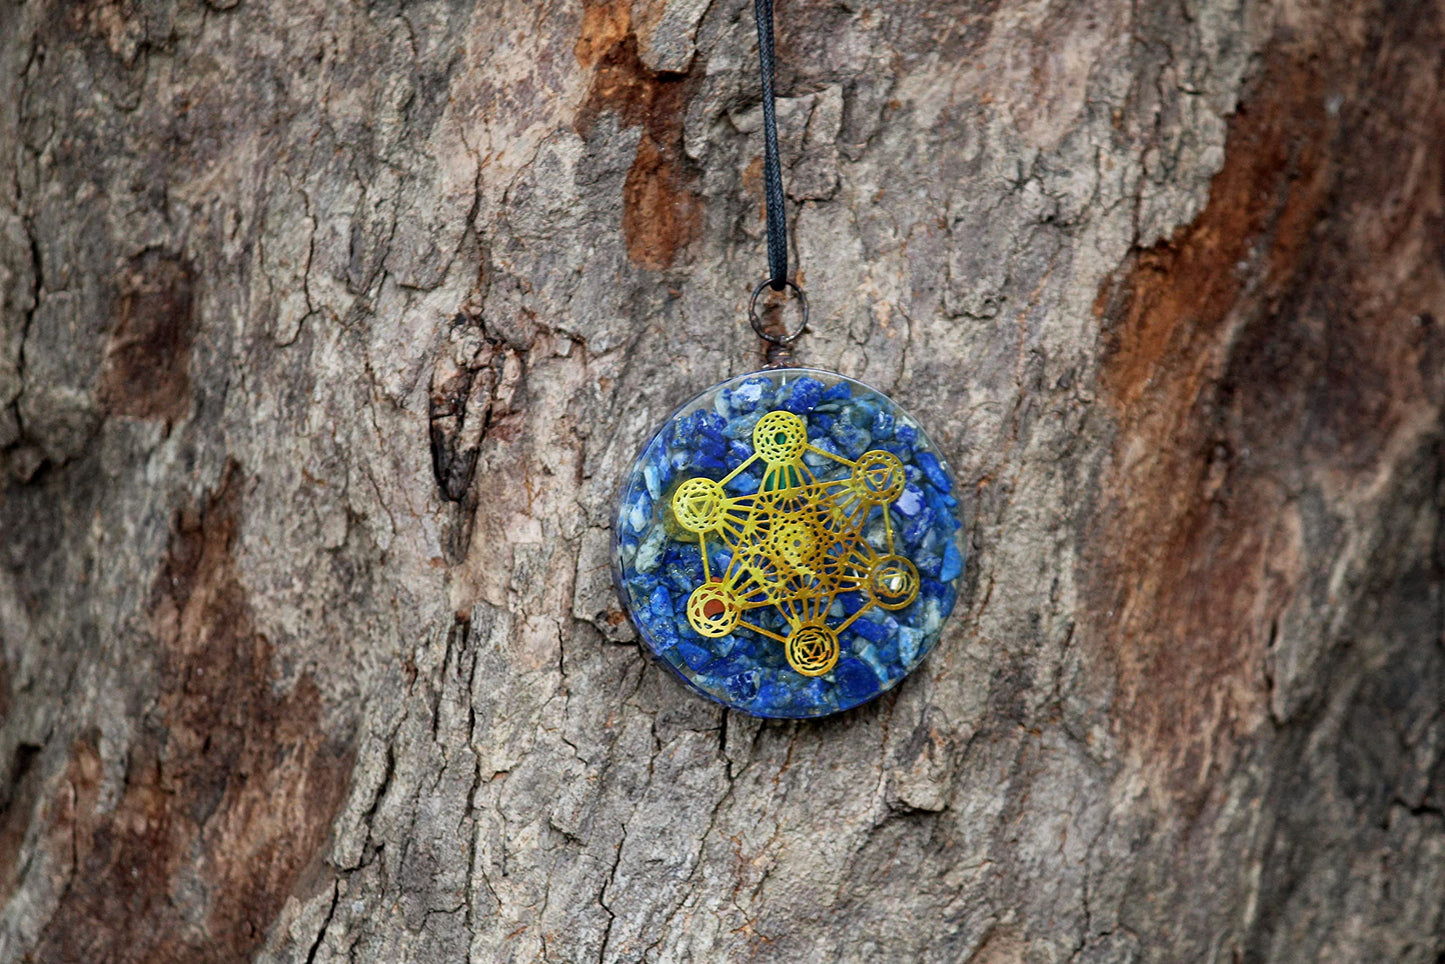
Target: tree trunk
x: 327, y: 332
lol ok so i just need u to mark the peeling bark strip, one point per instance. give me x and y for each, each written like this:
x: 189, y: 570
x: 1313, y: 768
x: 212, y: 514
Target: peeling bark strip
x: 1262, y: 371
x: 230, y: 790
x: 1200, y: 556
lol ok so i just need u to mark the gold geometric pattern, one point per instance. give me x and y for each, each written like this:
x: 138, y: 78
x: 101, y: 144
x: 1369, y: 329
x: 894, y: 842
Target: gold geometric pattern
x: 797, y: 543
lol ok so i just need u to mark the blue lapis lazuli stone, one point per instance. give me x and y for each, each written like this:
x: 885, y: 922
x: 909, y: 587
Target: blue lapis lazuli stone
x: 952, y: 566
x: 801, y: 396
x: 839, y: 575
x: 856, y: 682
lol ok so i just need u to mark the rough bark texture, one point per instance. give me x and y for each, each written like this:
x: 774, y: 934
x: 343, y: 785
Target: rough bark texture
x: 326, y: 333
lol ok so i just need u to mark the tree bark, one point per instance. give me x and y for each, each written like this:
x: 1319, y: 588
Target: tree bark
x: 327, y: 332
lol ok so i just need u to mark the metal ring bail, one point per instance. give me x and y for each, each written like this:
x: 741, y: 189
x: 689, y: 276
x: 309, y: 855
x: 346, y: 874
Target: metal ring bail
x: 757, y: 322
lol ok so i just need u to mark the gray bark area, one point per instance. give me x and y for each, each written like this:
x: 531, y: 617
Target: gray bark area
x: 327, y: 332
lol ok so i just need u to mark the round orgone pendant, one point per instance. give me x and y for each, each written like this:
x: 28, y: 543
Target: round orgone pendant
x: 789, y: 543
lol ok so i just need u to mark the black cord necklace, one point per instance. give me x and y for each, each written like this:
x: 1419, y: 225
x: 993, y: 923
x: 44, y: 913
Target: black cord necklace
x: 788, y: 542
x: 780, y: 347
x: 772, y: 169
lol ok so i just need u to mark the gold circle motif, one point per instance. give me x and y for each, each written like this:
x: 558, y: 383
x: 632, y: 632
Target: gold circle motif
x: 780, y: 438
x: 713, y: 610
x: 795, y: 543
x: 812, y: 650
x: 878, y: 477
x: 893, y: 582
x: 698, y: 505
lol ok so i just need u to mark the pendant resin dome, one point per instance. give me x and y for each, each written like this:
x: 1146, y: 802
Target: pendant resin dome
x: 789, y: 543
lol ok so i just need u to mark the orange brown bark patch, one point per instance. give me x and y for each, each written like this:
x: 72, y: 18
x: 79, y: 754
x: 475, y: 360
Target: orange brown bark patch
x: 605, y: 25
x: 1250, y: 368
x: 661, y: 212
x: 230, y: 789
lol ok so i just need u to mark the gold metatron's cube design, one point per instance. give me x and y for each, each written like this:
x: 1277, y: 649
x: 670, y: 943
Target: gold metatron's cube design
x: 797, y: 543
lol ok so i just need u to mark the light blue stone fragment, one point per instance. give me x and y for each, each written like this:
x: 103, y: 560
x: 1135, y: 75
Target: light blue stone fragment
x: 649, y: 551
x: 952, y: 563
x: 639, y: 515
x: 740, y: 427
x: 910, y: 503
x: 815, y: 461
x: 932, y: 616
x: 909, y: 639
